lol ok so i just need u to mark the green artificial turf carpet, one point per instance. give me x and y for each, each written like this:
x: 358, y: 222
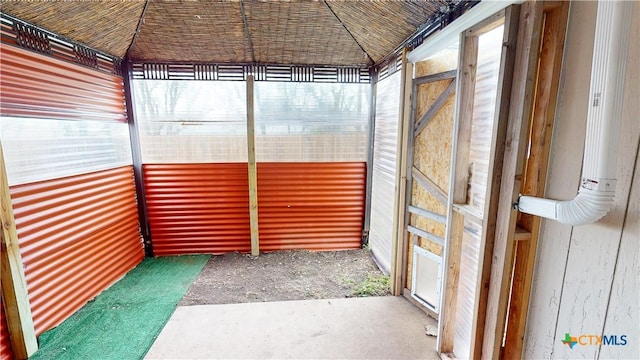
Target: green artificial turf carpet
x: 124, y: 320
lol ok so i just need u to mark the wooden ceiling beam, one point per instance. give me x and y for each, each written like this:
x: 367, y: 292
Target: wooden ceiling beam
x: 371, y: 61
x: 140, y: 21
x: 246, y: 29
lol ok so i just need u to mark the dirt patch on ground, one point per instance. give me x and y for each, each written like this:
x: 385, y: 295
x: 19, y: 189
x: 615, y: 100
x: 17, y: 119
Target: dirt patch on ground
x: 287, y: 275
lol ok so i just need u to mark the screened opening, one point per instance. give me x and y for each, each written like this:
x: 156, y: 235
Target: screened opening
x: 167, y: 163
x: 311, y: 144
x: 191, y: 121
x: 44, y: 149
x: 311, y: 121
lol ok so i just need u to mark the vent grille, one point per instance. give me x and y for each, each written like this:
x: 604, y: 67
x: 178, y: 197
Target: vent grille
x: 389, y: 67
x: 230, y: 72
x: 31, y: 38
x: 22, y: 34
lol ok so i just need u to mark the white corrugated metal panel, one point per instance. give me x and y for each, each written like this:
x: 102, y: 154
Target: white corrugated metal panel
x: 482, y: 124
x: 384, y: 169
x: 311, y: 122
x: 484, y: 109
x: 187, y: 121
x: 467, y: 287
x: 46, y: 149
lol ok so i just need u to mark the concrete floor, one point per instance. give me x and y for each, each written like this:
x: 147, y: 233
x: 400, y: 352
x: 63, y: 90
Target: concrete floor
x: 354, y: 328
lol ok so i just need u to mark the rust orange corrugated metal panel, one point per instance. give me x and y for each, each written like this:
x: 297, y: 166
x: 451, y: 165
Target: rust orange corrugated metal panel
x: 77, y: 236
x: 198, y: 208
x: 34, y: 85
x: 6, y: 353
x: 314, y: 206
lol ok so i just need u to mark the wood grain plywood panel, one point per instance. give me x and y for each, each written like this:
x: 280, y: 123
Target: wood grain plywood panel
x: 445, y: 61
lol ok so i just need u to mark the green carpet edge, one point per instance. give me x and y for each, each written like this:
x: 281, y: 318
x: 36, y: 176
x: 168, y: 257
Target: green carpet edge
x: 141, y: 302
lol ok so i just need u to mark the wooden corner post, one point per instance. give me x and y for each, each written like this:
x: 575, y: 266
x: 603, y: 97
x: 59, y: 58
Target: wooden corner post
x: 399, y: 246
x: 515, y: 151
x: 535, y: 175
x: 253, y: 174
x: 14, y: 286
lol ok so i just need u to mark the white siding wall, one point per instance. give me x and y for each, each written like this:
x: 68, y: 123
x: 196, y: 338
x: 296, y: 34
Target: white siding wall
x: 587, y: 278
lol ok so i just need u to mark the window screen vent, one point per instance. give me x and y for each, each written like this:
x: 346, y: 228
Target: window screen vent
x: 25, y: 35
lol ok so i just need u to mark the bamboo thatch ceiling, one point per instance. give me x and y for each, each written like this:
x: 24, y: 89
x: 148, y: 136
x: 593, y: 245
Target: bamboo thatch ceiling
x: 331, y: 32
x: 104, y: 25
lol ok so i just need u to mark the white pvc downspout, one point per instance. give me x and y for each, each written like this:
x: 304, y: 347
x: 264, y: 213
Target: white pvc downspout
x: 598, y: 184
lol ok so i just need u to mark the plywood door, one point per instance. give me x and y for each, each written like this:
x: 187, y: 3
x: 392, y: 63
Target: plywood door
x: 429, y: 153
x: 429, y: 135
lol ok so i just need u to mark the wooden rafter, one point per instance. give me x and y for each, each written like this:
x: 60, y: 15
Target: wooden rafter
x: 371, y: 61
x: 247, y: 32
